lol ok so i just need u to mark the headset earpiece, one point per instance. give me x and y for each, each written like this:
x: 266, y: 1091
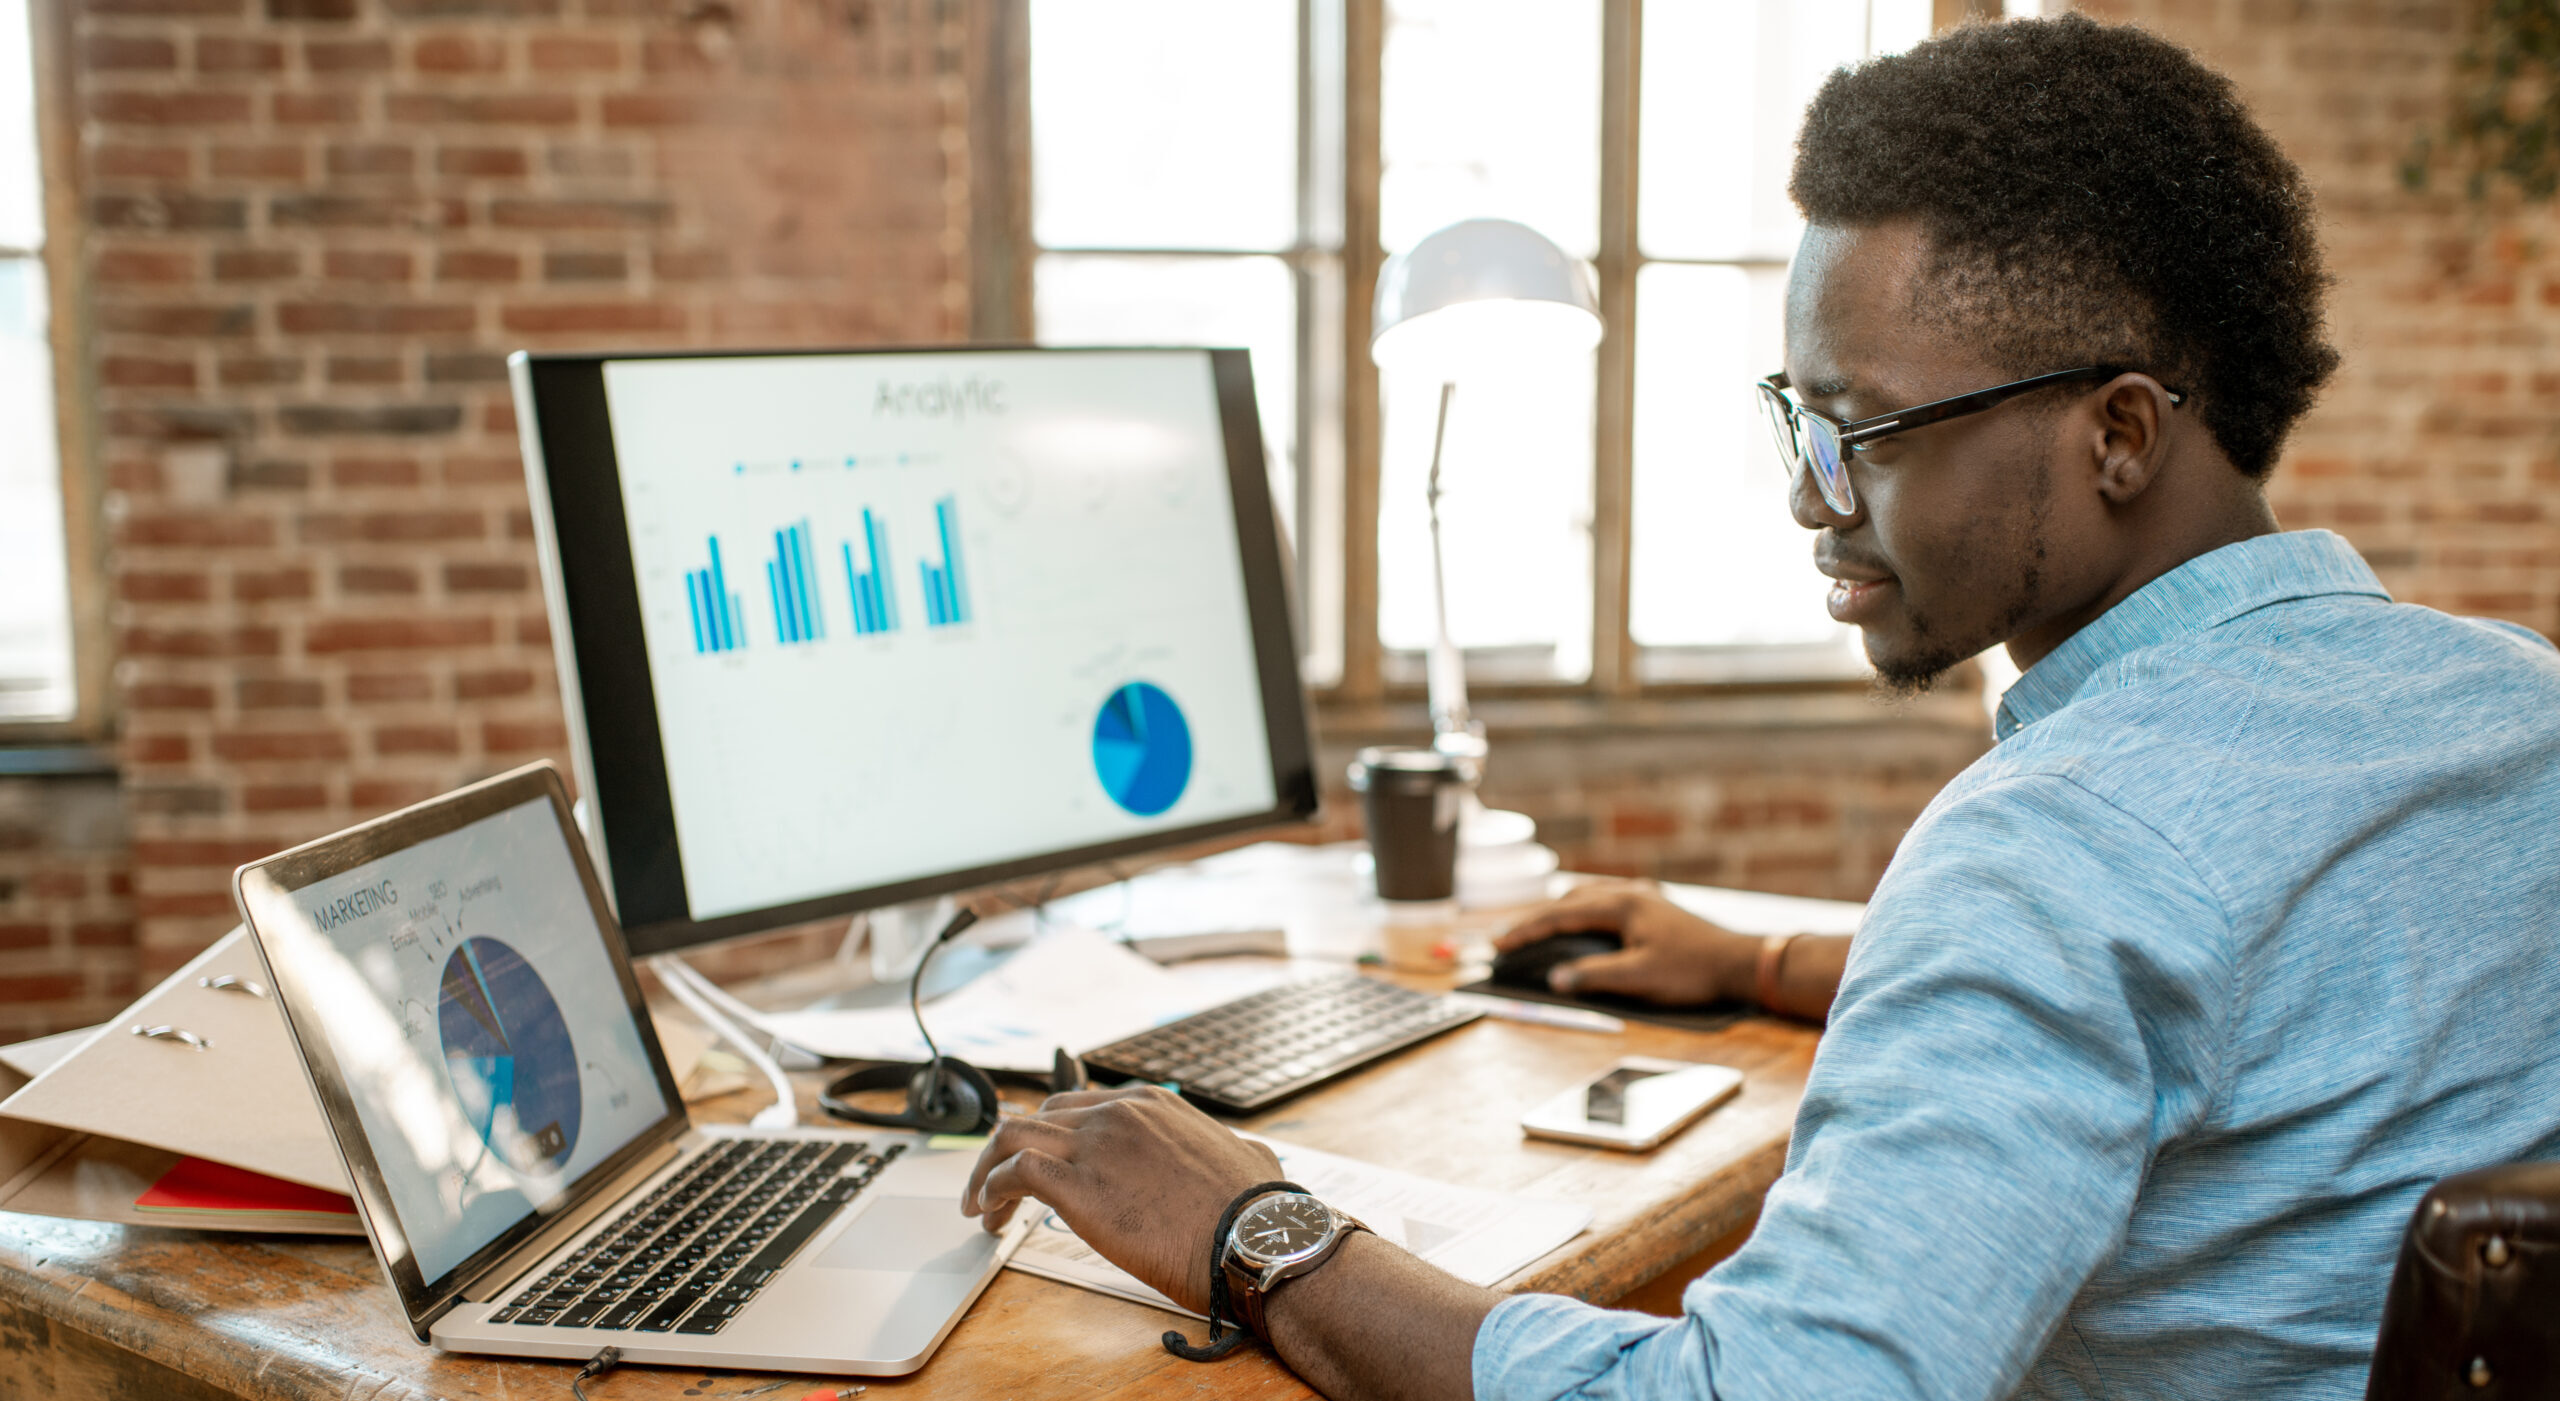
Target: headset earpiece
x: 956, y: 1097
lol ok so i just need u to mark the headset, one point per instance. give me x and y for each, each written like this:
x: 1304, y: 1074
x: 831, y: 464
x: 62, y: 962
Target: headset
x: 945, y: 1094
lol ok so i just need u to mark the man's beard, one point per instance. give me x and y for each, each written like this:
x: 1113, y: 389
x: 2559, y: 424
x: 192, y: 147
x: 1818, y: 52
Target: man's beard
x: 1908, y: 678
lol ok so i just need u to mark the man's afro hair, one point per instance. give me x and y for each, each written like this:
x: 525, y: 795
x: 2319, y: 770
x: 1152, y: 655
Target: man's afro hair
x: 2093, y: 195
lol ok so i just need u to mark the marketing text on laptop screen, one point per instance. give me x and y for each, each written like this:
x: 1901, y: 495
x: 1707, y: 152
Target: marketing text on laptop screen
x: 476, y: 1019
x: 908, y: 614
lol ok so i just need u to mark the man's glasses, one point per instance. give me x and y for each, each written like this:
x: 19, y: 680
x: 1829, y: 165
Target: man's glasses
x: 1811, y: 440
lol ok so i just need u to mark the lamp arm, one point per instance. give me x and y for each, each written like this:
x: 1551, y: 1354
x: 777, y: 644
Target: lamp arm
x: 1453, y: 724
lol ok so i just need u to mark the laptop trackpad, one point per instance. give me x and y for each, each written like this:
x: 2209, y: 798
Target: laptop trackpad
x: 910, y: 1235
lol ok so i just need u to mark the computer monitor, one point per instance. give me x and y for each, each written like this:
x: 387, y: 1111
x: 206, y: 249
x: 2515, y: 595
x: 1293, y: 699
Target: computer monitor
x: 842, y: 629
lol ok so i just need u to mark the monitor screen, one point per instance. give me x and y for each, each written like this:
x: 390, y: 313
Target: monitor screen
x: 455, y: 982
x: 846, y: 628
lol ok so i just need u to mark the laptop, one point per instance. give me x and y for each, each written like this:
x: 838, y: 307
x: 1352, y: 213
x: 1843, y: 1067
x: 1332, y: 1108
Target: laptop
x: 522, y: 1161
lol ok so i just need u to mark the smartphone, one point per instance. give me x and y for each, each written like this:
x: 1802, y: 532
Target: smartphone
x: 1636, y: 1105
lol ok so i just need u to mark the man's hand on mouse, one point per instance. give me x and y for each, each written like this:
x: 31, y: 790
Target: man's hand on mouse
x: 1670, y: 956
x: 1138, y: 1173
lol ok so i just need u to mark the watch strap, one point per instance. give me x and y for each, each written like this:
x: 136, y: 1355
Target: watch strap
x: 1244, y: 1285
x: 1225, y: 1334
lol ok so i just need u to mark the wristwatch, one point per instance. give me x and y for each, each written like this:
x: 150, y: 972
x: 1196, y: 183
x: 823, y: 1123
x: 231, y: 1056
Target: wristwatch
x: 1279, y: 1237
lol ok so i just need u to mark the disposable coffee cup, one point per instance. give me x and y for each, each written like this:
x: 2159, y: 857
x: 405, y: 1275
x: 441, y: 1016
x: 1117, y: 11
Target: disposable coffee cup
x: 1412, y: 798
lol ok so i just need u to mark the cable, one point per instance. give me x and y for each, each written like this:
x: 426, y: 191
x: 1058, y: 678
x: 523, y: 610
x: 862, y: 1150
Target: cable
x: 679, y: 976
x: 597, y: 1366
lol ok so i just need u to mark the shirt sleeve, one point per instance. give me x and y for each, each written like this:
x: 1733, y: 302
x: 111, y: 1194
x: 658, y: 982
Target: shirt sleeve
x: 2035, y: 1002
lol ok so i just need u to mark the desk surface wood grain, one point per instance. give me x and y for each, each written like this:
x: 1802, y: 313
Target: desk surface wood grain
x: 91, y: 1309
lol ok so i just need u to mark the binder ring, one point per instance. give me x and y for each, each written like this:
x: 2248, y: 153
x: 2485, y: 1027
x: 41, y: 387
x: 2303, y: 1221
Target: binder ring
x: 232, y: 982
x: 174, y: 1033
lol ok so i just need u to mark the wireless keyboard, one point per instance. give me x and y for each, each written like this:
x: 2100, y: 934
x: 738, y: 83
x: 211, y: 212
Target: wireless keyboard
x: 1252, y: 1053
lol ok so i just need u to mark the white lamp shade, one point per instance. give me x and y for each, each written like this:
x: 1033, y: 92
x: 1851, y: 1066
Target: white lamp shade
x: 1481, y: 289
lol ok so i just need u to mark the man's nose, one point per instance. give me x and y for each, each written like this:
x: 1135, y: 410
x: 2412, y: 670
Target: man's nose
x: 1804, y: 501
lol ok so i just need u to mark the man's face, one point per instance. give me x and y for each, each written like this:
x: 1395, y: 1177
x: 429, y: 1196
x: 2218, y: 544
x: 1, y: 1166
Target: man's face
x: 1953, y: 548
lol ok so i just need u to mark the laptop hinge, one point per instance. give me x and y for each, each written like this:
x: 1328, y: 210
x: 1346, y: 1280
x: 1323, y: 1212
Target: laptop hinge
x: 502, y: 1276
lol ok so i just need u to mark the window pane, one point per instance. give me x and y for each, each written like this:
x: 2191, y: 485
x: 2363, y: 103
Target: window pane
x: 1088, y: 299
x: 1515, y: 510
x: 1491, y: 108
x: 21, y: 214
x: 1717, y: 559
x: 1164, y: 123
x: 35, y: 616
x: 1725, y: 88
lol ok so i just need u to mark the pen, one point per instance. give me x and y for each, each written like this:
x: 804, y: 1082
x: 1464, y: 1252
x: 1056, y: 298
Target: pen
x: 1541, y: 1013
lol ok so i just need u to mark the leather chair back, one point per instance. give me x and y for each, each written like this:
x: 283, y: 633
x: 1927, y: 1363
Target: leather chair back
x: 2474, y: 1308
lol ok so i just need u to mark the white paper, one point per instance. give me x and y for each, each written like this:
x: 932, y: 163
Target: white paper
x: 1073, y: 988
x: 1481, y: 1237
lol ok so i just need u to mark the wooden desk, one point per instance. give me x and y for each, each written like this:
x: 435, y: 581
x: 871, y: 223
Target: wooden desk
x: 95, y: 1310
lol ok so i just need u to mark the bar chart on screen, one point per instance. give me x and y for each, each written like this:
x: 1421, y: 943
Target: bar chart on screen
x: 719, y: 624
x: 791, y: 577
x: 875, y: 599
x: 946, y: 586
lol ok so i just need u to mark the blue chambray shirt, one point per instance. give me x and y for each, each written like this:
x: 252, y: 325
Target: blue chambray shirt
x: 2164, y: 1015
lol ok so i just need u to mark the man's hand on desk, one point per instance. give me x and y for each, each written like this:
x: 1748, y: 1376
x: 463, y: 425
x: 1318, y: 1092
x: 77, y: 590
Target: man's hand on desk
x: 1143, y: 1177
x: 1138, y: 1173
x: 1678, y: 959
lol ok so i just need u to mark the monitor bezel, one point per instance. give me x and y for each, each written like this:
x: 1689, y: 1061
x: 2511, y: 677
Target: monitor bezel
x: 606, y: 689
x: 426, y: 1300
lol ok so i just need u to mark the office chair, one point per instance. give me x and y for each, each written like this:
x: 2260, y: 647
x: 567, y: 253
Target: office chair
x: 2474, y: 1308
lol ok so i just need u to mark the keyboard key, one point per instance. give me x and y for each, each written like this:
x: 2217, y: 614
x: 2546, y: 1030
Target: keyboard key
x: 582, y: 1313
x: 622, y: 1315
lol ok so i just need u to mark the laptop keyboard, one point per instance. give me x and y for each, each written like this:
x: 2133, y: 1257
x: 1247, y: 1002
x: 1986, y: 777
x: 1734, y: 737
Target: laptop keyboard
x: 690, y: 1255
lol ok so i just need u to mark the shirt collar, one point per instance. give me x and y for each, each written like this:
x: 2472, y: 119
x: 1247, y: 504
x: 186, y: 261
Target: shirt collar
x: 2204, y: 592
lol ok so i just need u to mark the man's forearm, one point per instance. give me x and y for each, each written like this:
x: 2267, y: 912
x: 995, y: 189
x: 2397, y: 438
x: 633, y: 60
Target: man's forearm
x: 1376, y: 1324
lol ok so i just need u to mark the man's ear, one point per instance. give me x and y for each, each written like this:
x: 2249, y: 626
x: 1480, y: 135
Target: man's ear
x: 2127, y: 438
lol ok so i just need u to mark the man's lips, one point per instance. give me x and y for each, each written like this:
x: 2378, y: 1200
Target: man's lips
x: 1855, y: 588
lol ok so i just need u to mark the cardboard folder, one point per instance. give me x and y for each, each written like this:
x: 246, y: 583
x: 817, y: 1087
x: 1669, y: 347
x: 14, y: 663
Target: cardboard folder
x: 104, y: 1124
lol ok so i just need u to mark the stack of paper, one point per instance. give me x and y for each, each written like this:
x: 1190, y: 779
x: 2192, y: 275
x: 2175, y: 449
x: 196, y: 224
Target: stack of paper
x: 1481, y: 1237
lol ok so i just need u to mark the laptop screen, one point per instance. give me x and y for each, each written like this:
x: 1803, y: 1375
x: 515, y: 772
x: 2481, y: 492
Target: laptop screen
x: 477, y: 1020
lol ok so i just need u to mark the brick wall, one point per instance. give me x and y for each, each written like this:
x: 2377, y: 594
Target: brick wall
x: 315, y: 227
x: 66, y: 904
x: 2437, y: 448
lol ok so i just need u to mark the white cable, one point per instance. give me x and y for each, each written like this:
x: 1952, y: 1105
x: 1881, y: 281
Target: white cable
x: 680, y: 979
x: 784, y: 1054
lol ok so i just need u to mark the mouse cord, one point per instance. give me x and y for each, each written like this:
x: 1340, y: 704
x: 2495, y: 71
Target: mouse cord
x: 597, y: 1366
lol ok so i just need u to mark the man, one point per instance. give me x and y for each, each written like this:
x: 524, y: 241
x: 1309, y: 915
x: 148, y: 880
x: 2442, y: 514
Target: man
x: 2170, y: 1006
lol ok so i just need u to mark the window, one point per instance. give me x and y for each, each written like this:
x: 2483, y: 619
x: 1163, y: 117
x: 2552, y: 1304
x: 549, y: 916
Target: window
x: 1612, y: 520
x: 35, y: 604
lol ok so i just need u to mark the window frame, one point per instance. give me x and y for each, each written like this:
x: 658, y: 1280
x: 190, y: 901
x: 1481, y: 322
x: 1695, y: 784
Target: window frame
x: 64, y: 259
x: 1339, y: 596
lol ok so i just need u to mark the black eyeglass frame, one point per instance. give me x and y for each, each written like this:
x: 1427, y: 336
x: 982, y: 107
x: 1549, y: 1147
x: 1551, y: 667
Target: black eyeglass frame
x: 1857, y: 433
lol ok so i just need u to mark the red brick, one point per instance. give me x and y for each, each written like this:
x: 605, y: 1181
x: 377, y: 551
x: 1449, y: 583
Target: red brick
x: 216, y: 54
x: 592, y: 317
x: 138, y: 372
x: 367, y: 369
x: 168, y: 695
x: 48, y: 987
x: 178, y: 319
x: 202, y: 529
x: 373, y: 318
x: 373, y: 159
x: 118, y: 53
x: 483, y: 162
x: 256, y: 264
x: 59, y: 885
x: 18, y: 934
x: 102, y: 934
x: 487, y: 578
x: 261, y: 370
x: 180, y: 108
x: 581, y: 213
x: 499, y: 109
x: 573, y: 53
x: 283, y: 797
x: 198, y: 642
x: 380, y: 688
x: 377, y: 579
x: 158, y: 749
x: 478, y: 265
x: 164, y: 586
x: 280, y: 746
x: 127, y: 162
x: 457, y: 53
x: 214, y: 904
x: 260, y: 162
x: 1643, y: 822
x: 521, y: 737
x: 374, y: 795
x: 315, y: 108
x: 278, y: 693
x: 374, y: 471
x: 271, y: 585
x: 417, y: 739
x: 489, y: 685
x: 344, y: 56
x: 141, y: 267
x: 376, y: 265
x: 335, y: 635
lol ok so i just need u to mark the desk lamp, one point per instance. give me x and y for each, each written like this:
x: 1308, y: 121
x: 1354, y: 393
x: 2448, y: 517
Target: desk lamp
x: 1481, y: 291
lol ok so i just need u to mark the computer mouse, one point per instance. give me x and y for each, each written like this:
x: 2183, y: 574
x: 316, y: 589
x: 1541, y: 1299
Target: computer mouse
x: 1528, y: 965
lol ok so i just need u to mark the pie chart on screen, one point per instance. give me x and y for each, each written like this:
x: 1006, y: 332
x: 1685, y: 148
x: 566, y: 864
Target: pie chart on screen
x: 1142, y: 749
x: 507, y: 1050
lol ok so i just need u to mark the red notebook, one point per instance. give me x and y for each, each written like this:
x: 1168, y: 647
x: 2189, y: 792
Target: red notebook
x: 200, y: 1189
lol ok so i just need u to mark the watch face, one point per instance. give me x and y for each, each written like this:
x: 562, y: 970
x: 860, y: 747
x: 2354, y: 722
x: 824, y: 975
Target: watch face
x: 1283, y: 1225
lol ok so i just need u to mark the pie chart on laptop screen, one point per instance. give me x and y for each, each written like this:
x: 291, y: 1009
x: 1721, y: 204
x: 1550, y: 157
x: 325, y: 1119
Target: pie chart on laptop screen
x: 507, y: 1050
x: 1142, y: 749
